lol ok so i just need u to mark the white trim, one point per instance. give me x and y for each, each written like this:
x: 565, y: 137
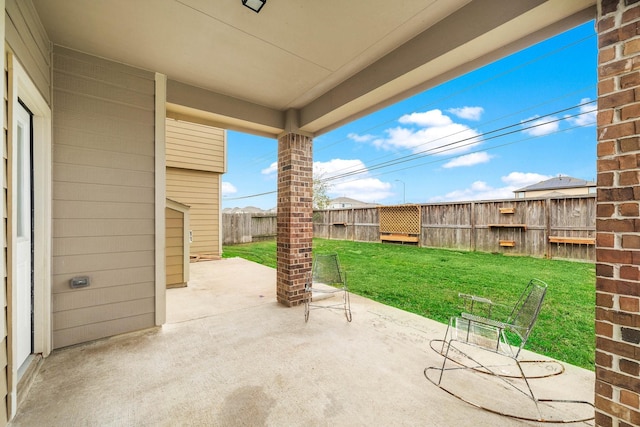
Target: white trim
x: 160, y: 200
x: 224, y: 150
x: 224, y: 170
x: 21, y: 87
x: 220, y: 221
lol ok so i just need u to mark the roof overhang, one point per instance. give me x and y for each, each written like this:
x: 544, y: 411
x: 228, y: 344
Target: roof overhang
x: 304, y: 67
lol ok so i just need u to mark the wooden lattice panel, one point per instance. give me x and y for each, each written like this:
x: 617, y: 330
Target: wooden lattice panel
x: 400, y: 219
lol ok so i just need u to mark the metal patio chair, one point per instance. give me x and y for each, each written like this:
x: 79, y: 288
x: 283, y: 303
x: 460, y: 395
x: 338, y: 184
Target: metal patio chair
x: 475, y: 346
x: 327, y: 280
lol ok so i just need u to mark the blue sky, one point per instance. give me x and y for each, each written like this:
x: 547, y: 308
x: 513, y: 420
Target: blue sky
x: 445, y: 144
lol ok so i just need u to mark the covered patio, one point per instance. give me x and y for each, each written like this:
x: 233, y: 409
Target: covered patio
x: 229, y: 354
x: 99, y: 80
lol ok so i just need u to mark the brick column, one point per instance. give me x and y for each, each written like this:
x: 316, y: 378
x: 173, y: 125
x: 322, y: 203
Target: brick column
x: 617, y: 357
x: 295, y: 212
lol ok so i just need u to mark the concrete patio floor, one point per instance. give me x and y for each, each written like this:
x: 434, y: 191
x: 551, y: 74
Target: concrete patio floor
x: 229, y: 355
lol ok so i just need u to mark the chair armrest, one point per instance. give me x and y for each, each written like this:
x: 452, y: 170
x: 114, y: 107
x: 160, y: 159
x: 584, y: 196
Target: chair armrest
x: 474, y: 304
x: 474, y: 298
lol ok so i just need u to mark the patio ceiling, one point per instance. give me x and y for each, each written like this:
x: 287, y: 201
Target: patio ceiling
x: 301, y: 65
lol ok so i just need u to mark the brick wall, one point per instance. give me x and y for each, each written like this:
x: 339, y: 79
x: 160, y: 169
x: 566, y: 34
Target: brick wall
x: 295, y: 212
x: 617, y: 394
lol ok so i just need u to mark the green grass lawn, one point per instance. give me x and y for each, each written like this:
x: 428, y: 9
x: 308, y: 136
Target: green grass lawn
x: 427, y: 281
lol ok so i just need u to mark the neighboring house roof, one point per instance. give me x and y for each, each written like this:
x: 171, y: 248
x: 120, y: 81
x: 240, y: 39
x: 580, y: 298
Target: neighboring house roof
x: 556, y: 183
x: 352, y: 203
x: 345, y: 200
x: 246, y: 209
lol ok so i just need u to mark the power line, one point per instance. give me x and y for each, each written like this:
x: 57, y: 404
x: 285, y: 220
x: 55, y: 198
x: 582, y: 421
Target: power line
x: 488, y: 122
x: 454, y: 145
x: 251, y: 196
x: 463, y: 90
x: 478, y: 84
x: 473, y: 152
x: 471, y: 139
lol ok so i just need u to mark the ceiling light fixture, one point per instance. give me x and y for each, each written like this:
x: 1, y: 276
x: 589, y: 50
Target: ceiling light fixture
x: 254, y: 5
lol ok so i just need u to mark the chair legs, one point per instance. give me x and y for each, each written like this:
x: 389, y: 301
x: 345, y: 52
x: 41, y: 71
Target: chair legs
x: 306, y: 308
x: 476, y: 377
x: 329, y: 279
x: 345, y: 305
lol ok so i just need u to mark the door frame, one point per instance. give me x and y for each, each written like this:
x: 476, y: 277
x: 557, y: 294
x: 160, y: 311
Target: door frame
x: 22, y: 166
x: 22, y: 88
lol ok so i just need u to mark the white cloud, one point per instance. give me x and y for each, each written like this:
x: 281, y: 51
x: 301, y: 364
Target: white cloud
x: 469, y: 113
x: 435, y: 134
x: 228, y: 188
x: 336, y: 167
x: 523, y: 179
x: 535, y: 126
x: 428, y: 118
x: 588, y: 115
x: 480, y: 190
x: 540, y: 127
x: 366, y: 190
x: 468, y: 160
x: 360, y: 138
x: 359, y: 187
x: 273, y: 168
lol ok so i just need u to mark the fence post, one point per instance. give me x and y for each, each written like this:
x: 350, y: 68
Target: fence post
x: 472, y: 243
x: 447, y: 221
x: 351, y: 225
x: 547, y: 209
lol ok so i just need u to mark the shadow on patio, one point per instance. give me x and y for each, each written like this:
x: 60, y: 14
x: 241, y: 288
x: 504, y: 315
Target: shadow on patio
x: 230, y: 355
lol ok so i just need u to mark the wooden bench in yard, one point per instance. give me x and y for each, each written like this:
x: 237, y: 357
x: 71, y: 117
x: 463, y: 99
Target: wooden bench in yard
x: 399, y: 237
x: 573, y: 240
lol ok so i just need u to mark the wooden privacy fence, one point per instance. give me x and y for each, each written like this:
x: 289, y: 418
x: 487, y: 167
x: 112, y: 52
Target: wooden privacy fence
x: 562, y: 228
x: 248, y: 227
x: 552, y: 227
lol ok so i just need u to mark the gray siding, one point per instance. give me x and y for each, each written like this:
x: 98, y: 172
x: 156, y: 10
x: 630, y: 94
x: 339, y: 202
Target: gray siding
x: 27, y: 38
x: 103, y: 197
